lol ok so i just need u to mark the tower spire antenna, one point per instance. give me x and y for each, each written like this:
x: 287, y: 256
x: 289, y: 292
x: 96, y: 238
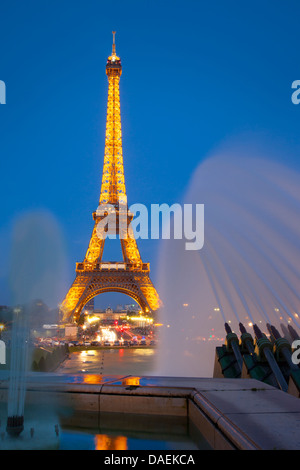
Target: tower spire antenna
x: 114, y: 43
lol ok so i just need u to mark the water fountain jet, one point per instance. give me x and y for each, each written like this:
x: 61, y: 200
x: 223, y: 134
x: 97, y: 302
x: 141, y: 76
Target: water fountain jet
x: 248, y: 266
x: 37, y: 270
x: 18, y: 370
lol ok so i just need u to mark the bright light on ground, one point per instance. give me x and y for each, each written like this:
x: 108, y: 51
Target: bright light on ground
x: 107, y: 335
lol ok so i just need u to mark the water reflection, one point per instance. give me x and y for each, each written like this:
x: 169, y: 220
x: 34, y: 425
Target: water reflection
x: 132, y: 381
x: 93, y: 379
x: 136, y: 362
x: 138, y: 440
x: 105, y: 442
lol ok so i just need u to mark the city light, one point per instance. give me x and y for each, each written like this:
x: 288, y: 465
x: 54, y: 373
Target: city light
x: 92, y: 319
x: 141, y: 318
x: 107, y: 335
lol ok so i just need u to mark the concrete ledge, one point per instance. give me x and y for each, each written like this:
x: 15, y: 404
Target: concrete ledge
x: 220, y: 424
x: 134, y: 404
x: 262, y: 418
x: 145, y: 391
x: 205, y: 426
x: 229, y: 413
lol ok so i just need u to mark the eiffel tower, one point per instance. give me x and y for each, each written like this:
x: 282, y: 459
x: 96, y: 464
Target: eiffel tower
x: 93, y: 275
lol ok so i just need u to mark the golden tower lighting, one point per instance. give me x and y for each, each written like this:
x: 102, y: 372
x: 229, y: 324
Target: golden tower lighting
x: 93, y: 275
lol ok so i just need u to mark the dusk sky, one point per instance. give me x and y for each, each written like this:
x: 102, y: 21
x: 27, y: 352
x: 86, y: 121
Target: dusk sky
x: 196, y: 76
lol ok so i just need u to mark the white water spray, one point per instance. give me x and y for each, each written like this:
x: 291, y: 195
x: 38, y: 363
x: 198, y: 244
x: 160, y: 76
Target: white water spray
x: 37, y: 271
x: 248, y: 270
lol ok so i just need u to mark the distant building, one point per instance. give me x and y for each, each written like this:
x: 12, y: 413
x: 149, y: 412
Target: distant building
x: 132, y: 308
x: 50, y: 331
x: 110, y: 314
x: 71, y: 332
x: 90, y: 305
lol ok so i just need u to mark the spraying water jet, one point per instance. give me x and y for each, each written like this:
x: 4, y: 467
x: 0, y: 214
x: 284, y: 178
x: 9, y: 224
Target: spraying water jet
x: 37, y: 270
x: 248, y: 266
x: 18, y: 369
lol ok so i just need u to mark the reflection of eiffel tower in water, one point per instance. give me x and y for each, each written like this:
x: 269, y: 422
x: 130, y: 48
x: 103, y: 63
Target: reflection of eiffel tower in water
x: 93, y: 276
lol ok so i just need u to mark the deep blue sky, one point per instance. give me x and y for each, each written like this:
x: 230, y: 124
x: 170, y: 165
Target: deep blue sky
x: 195, y: 75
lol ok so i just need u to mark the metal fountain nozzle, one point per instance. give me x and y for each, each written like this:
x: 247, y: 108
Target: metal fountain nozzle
x: 246, y: 341
x: 262, y: 343
x: 286, y: 332
x: 257, y: 332
x: 15, y: 425
x: 293, y: 333
x: 227, y: 328
x: 264, y: 352
x: 268, y: 325
x: 282, y: 348
x: 232, y: 344
x: 242, y: 328
x: 275, y: 332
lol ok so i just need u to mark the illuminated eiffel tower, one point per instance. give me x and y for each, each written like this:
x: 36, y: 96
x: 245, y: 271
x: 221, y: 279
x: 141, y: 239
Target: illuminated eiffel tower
x: 94, y: 276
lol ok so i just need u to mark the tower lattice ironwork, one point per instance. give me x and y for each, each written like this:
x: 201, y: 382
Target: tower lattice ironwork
x: 93, y: 275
